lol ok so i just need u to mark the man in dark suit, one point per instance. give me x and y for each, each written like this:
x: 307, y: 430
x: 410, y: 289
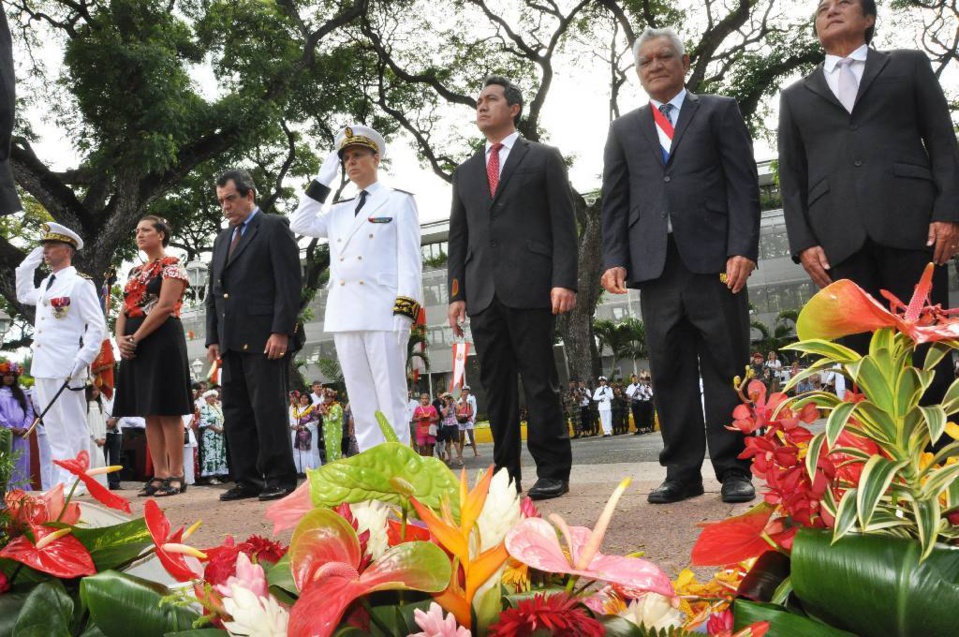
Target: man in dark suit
x: 251, y: 310
x: 868, y: 166
x: 512, y: 268
x: 681, y: 223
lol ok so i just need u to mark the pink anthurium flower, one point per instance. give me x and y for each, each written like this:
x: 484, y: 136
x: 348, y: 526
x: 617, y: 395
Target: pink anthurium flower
x: 80, y: 467
x: 327, y: 563
x: 52, y: 551
x: 843, y: 308
x: 287, y: 512
x: 170, y: 549
x: 534, y: 542
x: 34, y: 509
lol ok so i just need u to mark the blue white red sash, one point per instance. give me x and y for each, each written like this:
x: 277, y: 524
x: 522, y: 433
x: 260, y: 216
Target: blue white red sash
x: 664, y: 129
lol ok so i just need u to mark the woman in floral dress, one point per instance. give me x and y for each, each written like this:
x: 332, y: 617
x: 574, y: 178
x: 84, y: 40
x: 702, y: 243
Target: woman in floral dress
x: 154, y: 376
x: 303, y: 419
x: 16, y: 414
x: 214, y: 466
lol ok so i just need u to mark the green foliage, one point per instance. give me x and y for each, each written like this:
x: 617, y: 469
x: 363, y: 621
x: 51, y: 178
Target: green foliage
x: 620, y: 627
x: 113, y: 598
x: 625, y: 339
x: 47, y: 612
x: 389, y: 472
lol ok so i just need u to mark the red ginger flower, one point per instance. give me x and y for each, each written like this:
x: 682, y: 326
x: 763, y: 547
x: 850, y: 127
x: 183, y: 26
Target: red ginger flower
x: 558, y: 615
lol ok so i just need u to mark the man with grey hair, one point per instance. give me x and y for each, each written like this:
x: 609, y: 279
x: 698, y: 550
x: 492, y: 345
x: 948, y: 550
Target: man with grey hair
x: 681, y: 223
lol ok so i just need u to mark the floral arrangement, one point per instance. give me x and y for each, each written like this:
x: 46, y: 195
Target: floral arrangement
x: 385, y: 543
x: 858, y: 530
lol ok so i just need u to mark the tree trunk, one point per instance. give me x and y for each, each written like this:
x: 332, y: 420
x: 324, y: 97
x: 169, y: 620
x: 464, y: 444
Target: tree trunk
x: 577, y: 326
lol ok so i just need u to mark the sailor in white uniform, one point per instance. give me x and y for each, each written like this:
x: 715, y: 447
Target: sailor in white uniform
x: 375, y: 287
x: 66, y: 338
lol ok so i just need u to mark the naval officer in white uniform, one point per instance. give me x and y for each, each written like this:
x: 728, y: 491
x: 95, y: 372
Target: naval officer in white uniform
x: 66, y: 338
x: 375, y: 288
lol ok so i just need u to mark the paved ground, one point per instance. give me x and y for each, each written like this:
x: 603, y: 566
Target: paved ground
x: 665, y: 533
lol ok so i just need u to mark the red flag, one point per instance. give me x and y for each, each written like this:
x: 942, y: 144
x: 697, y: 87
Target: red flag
x: 460, y: 352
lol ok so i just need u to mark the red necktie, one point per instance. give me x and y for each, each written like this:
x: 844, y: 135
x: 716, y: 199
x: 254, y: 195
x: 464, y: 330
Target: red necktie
x: 492, y: 167
x: 237, y: 233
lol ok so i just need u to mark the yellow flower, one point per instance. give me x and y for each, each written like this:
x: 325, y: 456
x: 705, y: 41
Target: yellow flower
x: 516, y: 577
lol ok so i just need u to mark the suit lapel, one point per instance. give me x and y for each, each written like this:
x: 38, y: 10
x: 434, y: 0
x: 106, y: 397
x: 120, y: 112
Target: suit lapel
x: 647, y: 124
x: 251, y: 229
x: 221, y: 255
x: 875, y: 63
x: 816, y: 82
x: 686, y: 114
x: 515, y: 158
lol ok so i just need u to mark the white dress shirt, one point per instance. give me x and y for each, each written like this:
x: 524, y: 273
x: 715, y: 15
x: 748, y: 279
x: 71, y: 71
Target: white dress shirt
x: 507, y: 143
x: 830, y: 68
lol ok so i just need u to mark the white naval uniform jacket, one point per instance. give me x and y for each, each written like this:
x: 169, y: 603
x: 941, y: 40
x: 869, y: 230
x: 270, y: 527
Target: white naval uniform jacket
x: 603, y: 397
x: 64, y: 335
x: 374, y: 256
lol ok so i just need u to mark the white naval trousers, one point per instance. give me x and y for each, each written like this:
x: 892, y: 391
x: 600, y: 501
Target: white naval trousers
x: 66, y: 425
x: 374, y: 369
x: 606, y: 419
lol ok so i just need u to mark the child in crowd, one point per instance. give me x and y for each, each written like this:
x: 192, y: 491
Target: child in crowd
x: 426, y: 420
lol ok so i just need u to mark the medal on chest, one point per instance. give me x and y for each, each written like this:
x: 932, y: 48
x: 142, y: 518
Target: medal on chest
x: 60, y: 305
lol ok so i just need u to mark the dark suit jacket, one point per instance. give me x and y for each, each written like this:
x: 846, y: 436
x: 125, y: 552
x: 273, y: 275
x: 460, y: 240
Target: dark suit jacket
x: 708, y: 189
x: 257, y: 292
x: 884, y: 171
x: 519, y: 244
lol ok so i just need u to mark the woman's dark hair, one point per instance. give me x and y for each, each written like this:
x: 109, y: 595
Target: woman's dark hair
x: 160, y: 225
x: 18, y: 394
x: 89, y: 394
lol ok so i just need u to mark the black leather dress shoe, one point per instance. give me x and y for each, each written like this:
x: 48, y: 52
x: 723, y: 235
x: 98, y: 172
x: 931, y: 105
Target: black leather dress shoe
x: 546, y: 488
x: 274, y: 492
x: 674, y: 491
x: 238, y: 493
x: 738, y: 488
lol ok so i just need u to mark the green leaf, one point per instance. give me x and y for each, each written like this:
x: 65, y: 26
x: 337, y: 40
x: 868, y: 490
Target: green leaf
x: 935, y: 354
x: 875, y: 586
x: 908, y: 390
x: 11, y: 603
x: 845, y: 515
x: 950, y: 402
x: 935, y: 417
x: 199, y: 632
x: 114, y: 546
x: 813, y: 452
x: 828, y: 349
x: 117, y: 602
x: 927, y: 514
x: 876, y: 477
x: 782, y: 623
x: 371, y: 475
x: 874, y: 382
x: 47, y: 612
x: 837, y: 421
x: 280, y: 578
x: 940, y: 479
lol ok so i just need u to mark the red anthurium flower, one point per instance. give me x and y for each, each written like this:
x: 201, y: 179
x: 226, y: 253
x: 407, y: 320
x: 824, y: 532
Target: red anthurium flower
x: 735, y: 539
x: 415, y: 531
x: 80, y: 467
x: 34, y: 509
x: 843, y: 308
x: 169, y: 548
x: 56, y: 552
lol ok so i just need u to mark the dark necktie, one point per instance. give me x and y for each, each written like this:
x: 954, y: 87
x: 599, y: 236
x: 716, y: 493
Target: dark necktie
x: 53, y: 277
x: 666, y: 110
x: 492, y: 167
x: 361, y: 203
x: 237, y: 233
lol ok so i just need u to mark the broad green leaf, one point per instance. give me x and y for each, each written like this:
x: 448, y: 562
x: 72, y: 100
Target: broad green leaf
x: 47, y: 612
x: 875, y: 585
x: 881, y: 345
x: 950, y: 402
x: 873, y: 380
x: 885, y: 520
x: 949, y: 451
x: 828, y: 349
x: 118, y: 602
x: 845, y: 515
x: 837, y: 421
x: 940, y: 479
x: 782, y: 623
x: 877, y: 424
x: 11, y: 603
x: 198, y: 632
x: 876, y: 476
x: 280, y: 577
x: 927, y: 515
x: 373, y: 474
x: 935, y: 417
x: 936, y: 353
x: 615, y: 626
x: 908, y: 390
x: 92, y: 630
x: 114, y: 546
x: 813, y: 452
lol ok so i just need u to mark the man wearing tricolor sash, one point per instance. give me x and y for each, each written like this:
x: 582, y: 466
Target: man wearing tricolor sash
x: 681, y: 224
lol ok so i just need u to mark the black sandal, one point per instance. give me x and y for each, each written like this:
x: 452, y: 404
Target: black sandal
x: 168, y: 489
x: 151, y: 487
